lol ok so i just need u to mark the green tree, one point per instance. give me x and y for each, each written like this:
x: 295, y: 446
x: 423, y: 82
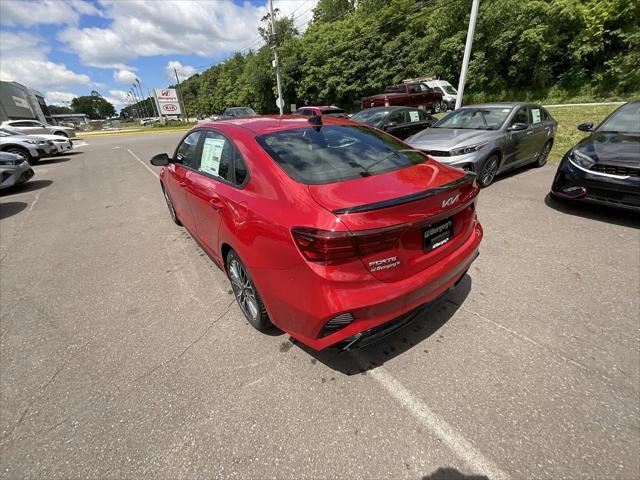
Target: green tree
x: 94, y: 106
x: 58, y: 109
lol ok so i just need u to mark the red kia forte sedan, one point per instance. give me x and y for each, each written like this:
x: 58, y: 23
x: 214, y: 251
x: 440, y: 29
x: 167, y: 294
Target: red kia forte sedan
x: 331, y: 230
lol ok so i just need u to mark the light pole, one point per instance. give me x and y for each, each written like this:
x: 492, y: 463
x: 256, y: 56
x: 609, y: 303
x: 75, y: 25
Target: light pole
x: 467, y: 51
x: 276, y: 63
x: 132, y: 111
x: 144, y: 106
x: 135, y: 97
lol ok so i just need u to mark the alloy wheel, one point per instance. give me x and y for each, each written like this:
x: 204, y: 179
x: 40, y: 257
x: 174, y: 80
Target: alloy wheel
x: 436, y: 107
x: 243, y: 289
x: 489, y: 171
x: 544, y: 154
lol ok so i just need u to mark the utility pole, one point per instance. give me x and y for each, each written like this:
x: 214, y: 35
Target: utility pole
x: 180, y: 97
x: 276, y: 63
x: 144, y: 103
x: 467, y: 51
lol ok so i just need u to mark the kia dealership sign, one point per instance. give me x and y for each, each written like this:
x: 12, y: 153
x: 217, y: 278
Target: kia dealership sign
x: 167, y: 99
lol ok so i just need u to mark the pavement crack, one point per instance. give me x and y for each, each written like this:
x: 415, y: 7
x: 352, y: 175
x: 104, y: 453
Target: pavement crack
x: 188, y: 347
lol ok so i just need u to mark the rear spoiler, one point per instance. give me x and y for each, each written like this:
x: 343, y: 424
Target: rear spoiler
x: 467, y: 178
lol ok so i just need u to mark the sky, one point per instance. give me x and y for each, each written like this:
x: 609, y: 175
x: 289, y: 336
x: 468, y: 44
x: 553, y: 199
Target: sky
x: 67, y: 48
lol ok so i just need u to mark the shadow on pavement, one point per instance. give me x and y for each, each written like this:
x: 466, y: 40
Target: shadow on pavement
x: 449, y: 473
x: 515, y: 172
x: 9, y: 209
x: 26, y: 187
x: 427, y: 323
x: 52, y: 160
x: 592, y: 211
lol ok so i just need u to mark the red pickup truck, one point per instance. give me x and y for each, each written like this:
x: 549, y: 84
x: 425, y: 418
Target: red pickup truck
x: 410, y: 94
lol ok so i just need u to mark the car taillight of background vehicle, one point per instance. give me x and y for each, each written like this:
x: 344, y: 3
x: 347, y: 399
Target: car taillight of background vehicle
x: 327, y: 246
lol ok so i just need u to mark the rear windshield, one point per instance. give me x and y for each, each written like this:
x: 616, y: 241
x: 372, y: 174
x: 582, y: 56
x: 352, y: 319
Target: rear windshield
x: 395, y: 89
x: 335, y: 153
x: 334, y: 112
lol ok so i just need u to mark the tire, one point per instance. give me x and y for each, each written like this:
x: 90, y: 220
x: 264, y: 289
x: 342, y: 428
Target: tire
x: 172, y: 211
x: 444, y: 107
x: 543, y: 156
x: 62, y: 134
x: 488, y: 171
x: 246, y: 293
x: 435, y: 107
x: 23, y: 153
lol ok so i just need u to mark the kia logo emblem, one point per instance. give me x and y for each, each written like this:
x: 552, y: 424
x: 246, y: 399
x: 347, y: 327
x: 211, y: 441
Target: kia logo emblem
x: 169, y: 108
x: 165, y: 93
x: 450, y: 201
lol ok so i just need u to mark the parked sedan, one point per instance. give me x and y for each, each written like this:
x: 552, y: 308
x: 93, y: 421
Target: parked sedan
x: 34, y: 127
x: 30, y: 147
x: 329, y: 229
x: 401, y: 122
x: 604, y: 167
x: 490, y: 139
x: 14, y: 170
x: 62, y: 144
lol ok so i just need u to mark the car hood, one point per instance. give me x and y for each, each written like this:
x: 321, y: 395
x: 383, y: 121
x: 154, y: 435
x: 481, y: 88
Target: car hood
x: 41, y: 136
x: 22, y: 138
x: 612, y: 148
x: 448, y: 138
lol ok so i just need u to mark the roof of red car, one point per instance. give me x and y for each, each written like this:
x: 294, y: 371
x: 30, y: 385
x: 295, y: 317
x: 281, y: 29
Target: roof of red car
x: 274, y: 123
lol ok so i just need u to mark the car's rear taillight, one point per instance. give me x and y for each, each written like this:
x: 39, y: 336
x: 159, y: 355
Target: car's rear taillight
x: 327, y: 246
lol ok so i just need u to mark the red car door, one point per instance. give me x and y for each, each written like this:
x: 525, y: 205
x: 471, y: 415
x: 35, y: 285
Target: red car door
x: 185, y: 159
x: 212, y: 192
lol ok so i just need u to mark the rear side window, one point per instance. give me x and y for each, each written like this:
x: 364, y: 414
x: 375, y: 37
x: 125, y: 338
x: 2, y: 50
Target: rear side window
x: 186, y: 153
x: 536, y: 115
x: 216, y: 156
x: 335, y: 153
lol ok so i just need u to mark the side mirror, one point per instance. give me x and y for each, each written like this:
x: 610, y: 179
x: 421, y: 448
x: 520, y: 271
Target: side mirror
x: 585, y: 127
x: 516, y: 127
x: 160, y: 160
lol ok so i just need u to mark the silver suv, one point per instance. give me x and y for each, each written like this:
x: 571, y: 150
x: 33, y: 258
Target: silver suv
x: 34, y: 127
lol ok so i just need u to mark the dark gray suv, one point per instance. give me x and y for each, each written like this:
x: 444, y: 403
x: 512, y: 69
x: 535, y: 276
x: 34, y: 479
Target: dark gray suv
x: 490, y: 138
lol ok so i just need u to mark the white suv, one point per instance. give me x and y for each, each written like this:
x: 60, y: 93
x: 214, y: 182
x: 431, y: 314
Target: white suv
x: 34, y: 127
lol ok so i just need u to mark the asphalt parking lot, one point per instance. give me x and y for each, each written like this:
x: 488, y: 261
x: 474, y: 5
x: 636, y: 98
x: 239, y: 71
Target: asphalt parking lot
x: 123, y: 354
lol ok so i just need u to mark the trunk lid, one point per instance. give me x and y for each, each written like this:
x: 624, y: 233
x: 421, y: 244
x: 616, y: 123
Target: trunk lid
x: 417, y: 216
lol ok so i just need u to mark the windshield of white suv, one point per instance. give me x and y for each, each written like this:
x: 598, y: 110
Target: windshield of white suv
x: 472, y: 118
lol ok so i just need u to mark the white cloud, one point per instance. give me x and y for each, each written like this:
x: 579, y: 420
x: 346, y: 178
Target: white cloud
x: 124, y: 76
x: 118, y: 98
x: 169, y: 27
x: 33, y: 12
x: 23, y: 58
x: 59, y: 98
x: 184, y: 71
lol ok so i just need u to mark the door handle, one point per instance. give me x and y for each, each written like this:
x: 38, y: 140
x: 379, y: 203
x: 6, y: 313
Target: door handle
x: 530, y: 132
x: 183, y: 183
x: 216, y: 203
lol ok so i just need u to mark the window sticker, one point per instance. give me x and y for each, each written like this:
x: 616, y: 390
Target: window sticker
x: 211, y: 154
x: 535, y: 115
x: 414, y: 116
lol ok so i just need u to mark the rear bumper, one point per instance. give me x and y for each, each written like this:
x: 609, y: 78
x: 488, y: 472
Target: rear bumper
x: 302, y: 308
x: 579, y: 185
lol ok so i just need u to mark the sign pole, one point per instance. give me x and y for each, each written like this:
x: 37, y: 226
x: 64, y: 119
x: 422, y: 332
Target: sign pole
x: 180, y: 98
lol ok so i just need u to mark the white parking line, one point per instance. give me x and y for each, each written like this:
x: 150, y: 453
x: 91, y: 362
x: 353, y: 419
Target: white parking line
x: 440, y: 428
x: 144, y: 164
